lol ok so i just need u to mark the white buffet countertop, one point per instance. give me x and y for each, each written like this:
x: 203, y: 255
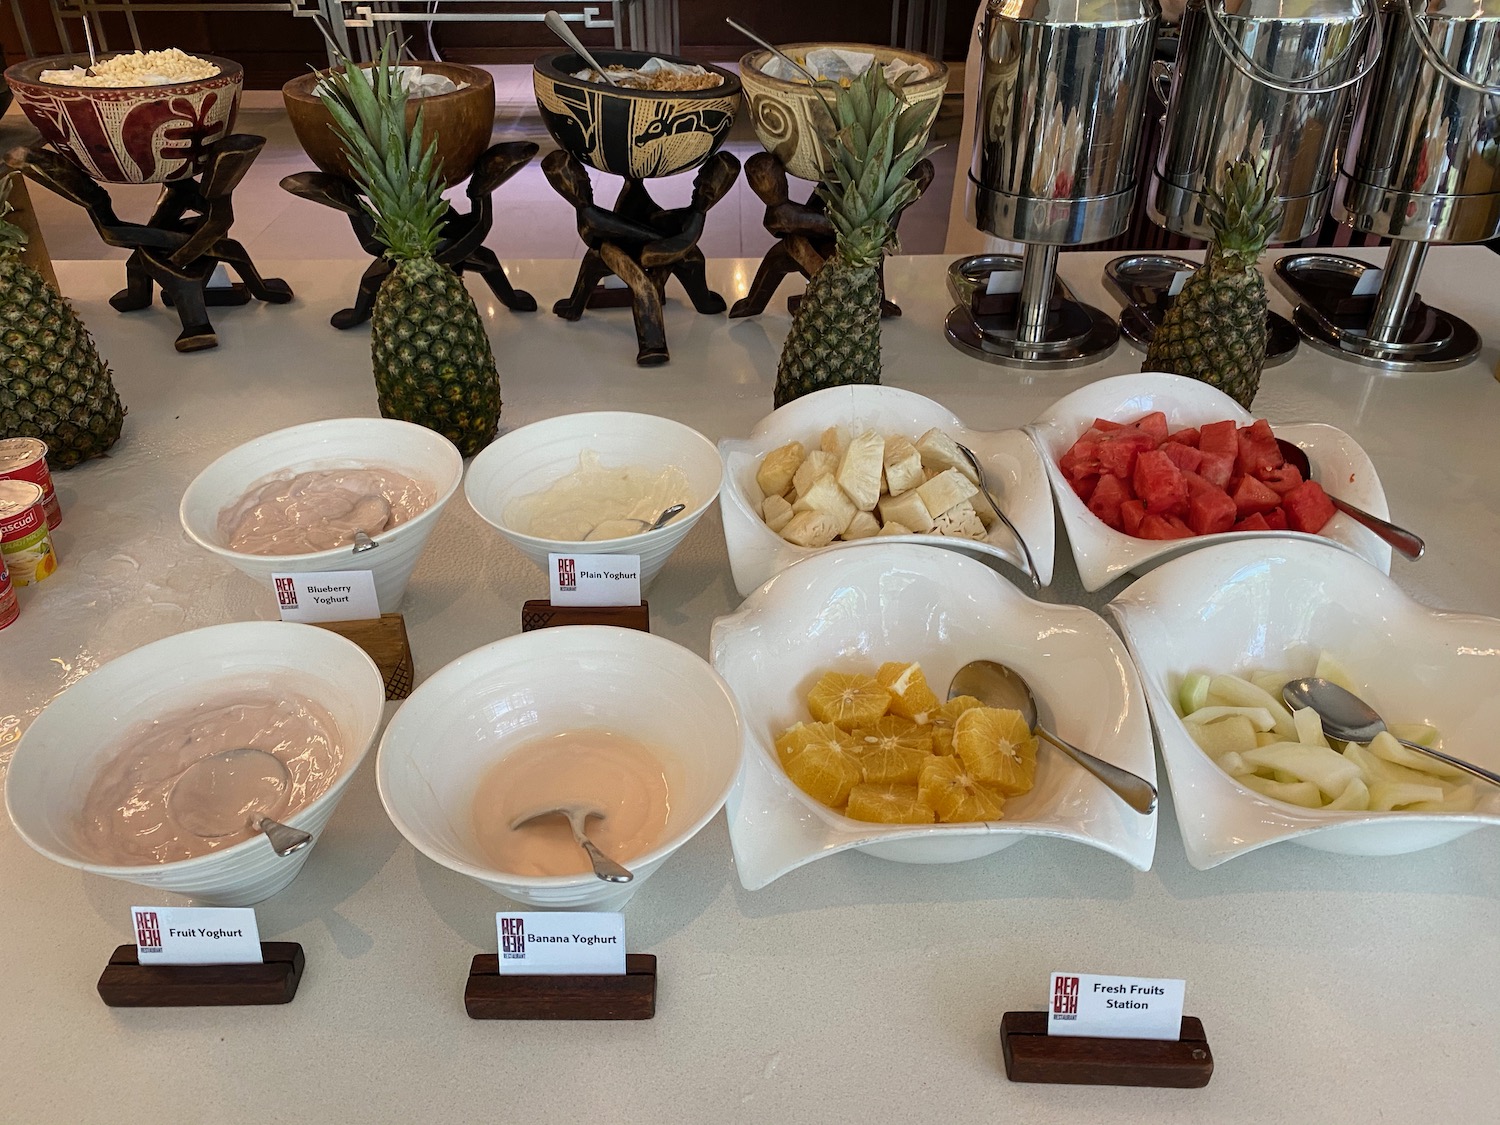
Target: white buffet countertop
x: 1332, y: 989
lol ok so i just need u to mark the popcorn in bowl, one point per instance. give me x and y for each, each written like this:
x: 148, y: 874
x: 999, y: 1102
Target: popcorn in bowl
x: 137, y: 68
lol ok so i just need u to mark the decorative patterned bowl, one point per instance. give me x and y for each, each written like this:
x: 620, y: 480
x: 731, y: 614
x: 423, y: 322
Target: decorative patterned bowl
x: 130, y: 134
x: 461, y: 121
x: 634, y: 133
x: 786, y: 116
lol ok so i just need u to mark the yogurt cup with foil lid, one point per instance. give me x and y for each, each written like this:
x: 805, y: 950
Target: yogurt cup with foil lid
x: 9, y: 609
x: 25, y: 458
x: 25, y: 539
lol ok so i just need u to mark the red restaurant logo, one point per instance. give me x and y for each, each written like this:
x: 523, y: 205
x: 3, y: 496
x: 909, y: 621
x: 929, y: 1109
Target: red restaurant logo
x: 147, y: 932
x: 567, y: 574
x: 286, y: 593
x: 1065, y: 999
x: 512, y: 939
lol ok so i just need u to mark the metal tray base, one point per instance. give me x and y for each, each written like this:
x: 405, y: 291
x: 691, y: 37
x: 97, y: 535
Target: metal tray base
x: 1078, y: 333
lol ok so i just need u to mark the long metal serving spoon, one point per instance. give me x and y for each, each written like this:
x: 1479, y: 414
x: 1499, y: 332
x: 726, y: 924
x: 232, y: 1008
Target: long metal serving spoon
x: 996, y: 685
x: 1036, y: 581
x: 1406, y: 542
x: 209, y: 798
x: 777, y: 51
x: 651, y: 525
x: 577, y: 815
x: 1349, y: 718
x: 558, y: 28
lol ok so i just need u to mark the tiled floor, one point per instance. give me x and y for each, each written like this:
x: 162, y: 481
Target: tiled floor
x: 532, y: 220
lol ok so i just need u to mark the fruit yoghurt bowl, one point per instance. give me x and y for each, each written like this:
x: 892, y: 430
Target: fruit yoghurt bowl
x: 1013, y: 469
x: 528, y: 461
x: 1276, y: 606
x: 479, y: 709
x: 62, y: 752
x: 1104, y: 554
x: 849, y: 608
x: 421, y: 454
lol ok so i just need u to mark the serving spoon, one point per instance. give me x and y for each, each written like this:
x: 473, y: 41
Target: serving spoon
x: 1349, y: 718
x: 1404, y: 541
x: 1036, y: 581
x: 646, y: 525
x: 558, y: 28
x: 996, y: 685
x: 577, y: 816
x: 227, y: 792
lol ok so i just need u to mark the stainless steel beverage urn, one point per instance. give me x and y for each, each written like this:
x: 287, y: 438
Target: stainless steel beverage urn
x: 1423, y: 166
x: 1057, y: 129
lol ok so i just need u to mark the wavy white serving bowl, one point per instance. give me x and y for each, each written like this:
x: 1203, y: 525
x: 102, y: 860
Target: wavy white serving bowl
x: 530, y: 459
x: 1012, y: 468
x: 422, y: 454
x: 472, y: 713
x: 63, y: 750
x: 1237, y: 607
x: 1104, y: 554
x: 901, y: 601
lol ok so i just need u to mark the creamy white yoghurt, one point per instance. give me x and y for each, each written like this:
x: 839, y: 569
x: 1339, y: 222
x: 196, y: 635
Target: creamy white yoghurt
x: 320, y: 509
x: 594, y: 502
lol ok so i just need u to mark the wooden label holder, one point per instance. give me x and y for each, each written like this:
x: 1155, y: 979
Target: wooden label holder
x: 384, y: 638
x: 126, y: 983
x: 1031, y: 1055
x: 539, y: 613
x: 490, y: 996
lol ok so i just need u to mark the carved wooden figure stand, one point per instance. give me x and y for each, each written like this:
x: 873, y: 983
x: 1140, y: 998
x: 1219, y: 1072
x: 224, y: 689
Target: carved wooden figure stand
x: 186, y: 237
x: 805, y: 236
x: 462, y: 246
x: 642, y: 244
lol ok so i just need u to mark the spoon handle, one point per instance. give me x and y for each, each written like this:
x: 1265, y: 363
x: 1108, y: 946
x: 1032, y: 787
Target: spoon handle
x: 283, y: 838
x: 560, y: 29
x: 1031, y: 572
x: 1398, y: 537
x: 1456, y: 763
x: 604, y: 867
x: 1135, y: 791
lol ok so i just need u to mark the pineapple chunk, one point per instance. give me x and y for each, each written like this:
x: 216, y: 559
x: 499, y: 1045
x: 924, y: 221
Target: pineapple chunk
x: 816, y: 464
x: 859, y: 471
x: 906, y: 509
x: 940, y: 452
x: 961, y: 520
x: 903, y: 465
x: 825, y: 495
x: 894, y: 528
x: 835, y: 440
x: 811, y: 529
x: 778, y: 467
x: 776, y: 512
x: 946, y: 490
x: 863, y: 526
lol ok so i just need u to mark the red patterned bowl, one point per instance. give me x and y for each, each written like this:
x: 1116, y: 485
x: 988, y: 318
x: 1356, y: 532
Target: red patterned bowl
x: 130, y: 134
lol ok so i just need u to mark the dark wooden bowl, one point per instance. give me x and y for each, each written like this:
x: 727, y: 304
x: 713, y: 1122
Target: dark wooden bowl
x: 634, y: 133
x: 461, y: 121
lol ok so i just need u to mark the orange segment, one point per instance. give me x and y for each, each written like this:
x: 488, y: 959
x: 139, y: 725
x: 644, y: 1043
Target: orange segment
x: 825, y: 772
x: 950, y: 711
x: 911, y: 698
x: 996, y: 746
x: 888, y: 804
x: 955, y: 794
x: 942, y: 740
x: 848, y: 700
x: 893, y: 750
x: 794, y: 740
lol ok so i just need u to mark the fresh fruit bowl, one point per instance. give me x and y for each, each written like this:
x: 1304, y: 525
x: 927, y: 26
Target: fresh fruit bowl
x: 1104, y: 554
x: 1236, y: 606
x: 902, y: 601
x: 1011, y: 464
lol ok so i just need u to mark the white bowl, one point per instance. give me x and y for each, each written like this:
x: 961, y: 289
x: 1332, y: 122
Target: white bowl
x: 61, y: 753
x: 528, y: 460
x: 1012, y: 468
x: 471, y: 714
x: 1104, y: 554
x: 1238, y: 607
x: 422, y: 454
x: 900, y: 601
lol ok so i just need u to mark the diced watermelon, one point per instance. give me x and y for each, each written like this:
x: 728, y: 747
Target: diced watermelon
x: 1132, y: 512
x: 1253, y: 522
x: 1307, y: 507
x: 1104, y: 425
x: 1083, y: 486
x: 1154, y: 424
x: 1219, y: 437
x: 1185, y: 457
x: 1182, y: 529
x: 1216, y: 468
x: 1188, y: 435
x: 1282, y: 480
x: 1109, y: 494
x: 1258, y: 453
x: 1118, y: 450
x: 1210, y: 510
x: 1276, y: 518
x: 1082, y: 457
x: 1252, y: 496
x: 1158, y: 527
x: 1159, y: 483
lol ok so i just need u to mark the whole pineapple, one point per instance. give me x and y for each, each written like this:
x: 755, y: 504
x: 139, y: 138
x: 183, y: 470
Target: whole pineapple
x: 835, y: 336
x: 53, y: 385
x: 1216, y: 329
x: 432, y: 358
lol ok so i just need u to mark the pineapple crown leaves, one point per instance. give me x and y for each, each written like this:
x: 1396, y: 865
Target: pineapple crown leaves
x: 399, y: 176
x: 12, y: 237
x: 878, y: 141
x: 1244, y: 211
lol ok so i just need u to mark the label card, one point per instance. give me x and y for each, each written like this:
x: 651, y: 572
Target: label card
x: 1003, y: 281
x: 196, y: 935
x: 1115, y: 1007
x: 1179, y: 279
x: 1367, y: 282
x: 594, y: 579
x: 333, y: 595
x: 550, y: 944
